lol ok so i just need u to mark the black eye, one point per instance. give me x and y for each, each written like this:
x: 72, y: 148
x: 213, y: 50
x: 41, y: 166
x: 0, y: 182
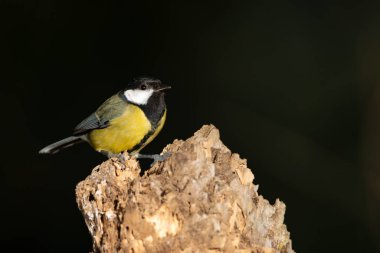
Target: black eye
x: 143, y: 87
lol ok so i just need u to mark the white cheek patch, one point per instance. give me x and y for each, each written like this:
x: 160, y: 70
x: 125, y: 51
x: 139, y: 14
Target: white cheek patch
x: 139, y: 97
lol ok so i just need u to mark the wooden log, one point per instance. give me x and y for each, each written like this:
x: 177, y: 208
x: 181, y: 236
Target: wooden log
x: 201, y: 199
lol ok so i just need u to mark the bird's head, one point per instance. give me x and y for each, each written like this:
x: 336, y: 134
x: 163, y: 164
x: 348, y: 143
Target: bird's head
x: 141, y: 89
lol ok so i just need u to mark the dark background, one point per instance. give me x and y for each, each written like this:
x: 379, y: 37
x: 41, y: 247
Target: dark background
x: 292, y: 85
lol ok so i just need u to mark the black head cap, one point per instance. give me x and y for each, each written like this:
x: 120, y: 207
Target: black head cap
x: 146, y: 83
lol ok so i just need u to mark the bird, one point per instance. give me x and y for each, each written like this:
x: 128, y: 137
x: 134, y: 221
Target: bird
x: 127, y: 121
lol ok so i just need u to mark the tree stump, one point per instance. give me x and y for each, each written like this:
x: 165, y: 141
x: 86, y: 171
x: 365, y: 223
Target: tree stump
x: 200, y: 199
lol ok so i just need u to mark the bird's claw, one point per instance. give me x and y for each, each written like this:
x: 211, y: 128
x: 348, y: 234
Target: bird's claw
x: 120, y: 157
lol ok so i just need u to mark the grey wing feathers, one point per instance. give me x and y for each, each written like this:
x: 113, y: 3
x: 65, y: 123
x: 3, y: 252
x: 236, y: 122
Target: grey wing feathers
x: 90, y: 123
x: 111, y: 108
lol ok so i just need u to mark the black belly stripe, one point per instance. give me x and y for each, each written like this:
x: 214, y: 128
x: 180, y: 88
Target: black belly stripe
x: 142, y: 142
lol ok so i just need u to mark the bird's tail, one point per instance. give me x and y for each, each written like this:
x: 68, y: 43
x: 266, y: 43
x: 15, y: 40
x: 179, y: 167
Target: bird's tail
x: 62, y: 144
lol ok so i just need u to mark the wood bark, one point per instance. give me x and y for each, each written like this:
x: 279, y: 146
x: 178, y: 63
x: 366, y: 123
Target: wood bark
x: 201, y: 199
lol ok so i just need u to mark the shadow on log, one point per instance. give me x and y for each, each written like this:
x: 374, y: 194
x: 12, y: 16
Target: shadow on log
x: 201, y: 199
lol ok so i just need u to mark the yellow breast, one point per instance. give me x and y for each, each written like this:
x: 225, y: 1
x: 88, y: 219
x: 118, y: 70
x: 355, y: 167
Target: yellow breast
x: 123, y: 133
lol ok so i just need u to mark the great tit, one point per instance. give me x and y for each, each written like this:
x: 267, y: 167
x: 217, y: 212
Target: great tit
x: 127, y: 121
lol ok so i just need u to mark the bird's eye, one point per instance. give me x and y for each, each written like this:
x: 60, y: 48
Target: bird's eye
x: 143, y: 87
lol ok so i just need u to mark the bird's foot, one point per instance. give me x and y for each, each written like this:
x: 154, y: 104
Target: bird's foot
x: 120, y: 157
x: 155, y: 157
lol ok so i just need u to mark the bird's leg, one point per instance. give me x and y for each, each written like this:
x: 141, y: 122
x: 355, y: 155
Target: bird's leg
x: 155, y: 157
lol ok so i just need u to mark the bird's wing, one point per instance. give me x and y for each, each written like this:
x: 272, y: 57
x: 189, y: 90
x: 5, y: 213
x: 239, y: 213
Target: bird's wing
x: 91, y: 122
x: 110, y: 109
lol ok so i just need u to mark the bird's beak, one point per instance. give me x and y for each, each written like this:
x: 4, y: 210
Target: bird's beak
x: 164, y: 87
